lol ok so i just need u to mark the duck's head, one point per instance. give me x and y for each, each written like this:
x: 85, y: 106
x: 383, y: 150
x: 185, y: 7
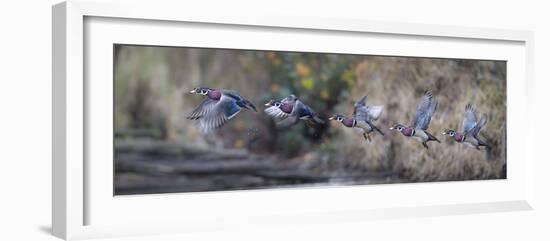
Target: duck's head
x: 338, y: 118
x: 449, y: 132
x: 273, y: 103
x: 397, y: 127
x: 201, y: 90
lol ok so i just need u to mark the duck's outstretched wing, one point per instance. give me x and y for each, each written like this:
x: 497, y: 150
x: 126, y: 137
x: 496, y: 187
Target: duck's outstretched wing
x: 202, y: 109
x: 470, y: 119
x: 276, y: 113
x: 424, y: 112
x: 478, y: 126
x: 361, y: 102
x: 374, y: 111
x: 288, y: 121
x: 293, y: 117
x: 368, y: 113
x: 219, y: 113
x: 362, y: 111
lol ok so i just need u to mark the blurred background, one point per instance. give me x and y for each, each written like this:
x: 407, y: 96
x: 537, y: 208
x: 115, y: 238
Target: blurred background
x: 158, y: 150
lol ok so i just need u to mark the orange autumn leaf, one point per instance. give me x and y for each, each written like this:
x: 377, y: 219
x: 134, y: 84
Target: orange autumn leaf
x: 274, y: 88
x: 302, y: 69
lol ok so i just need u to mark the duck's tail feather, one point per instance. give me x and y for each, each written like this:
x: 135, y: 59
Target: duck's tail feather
x: 482, y: 143
x: 432, y: 137
x: 249, y: 105
x: 375, y: 128
x: 317, y: 119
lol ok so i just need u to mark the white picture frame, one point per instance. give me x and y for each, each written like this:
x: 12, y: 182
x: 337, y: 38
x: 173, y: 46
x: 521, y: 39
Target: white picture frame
x: 84, y: 208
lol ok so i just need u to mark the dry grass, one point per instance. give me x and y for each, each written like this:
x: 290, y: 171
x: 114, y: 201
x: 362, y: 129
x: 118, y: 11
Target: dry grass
x: 398, y: 83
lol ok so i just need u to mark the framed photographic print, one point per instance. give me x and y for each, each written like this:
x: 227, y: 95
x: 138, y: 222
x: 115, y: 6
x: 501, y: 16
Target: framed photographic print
x: 176, y: 121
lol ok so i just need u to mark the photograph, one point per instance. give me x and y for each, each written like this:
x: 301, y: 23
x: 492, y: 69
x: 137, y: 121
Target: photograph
x: 192, y: 119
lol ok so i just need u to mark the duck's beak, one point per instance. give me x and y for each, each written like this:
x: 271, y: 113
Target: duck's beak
x: 268, y: 103
x: 391, y: 128
x: 331, y: 118
x: 193, y: 91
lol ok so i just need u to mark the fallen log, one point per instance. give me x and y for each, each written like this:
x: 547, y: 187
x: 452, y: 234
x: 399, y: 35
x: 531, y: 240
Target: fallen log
x: 140, y: 164
x: 158, y: 148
